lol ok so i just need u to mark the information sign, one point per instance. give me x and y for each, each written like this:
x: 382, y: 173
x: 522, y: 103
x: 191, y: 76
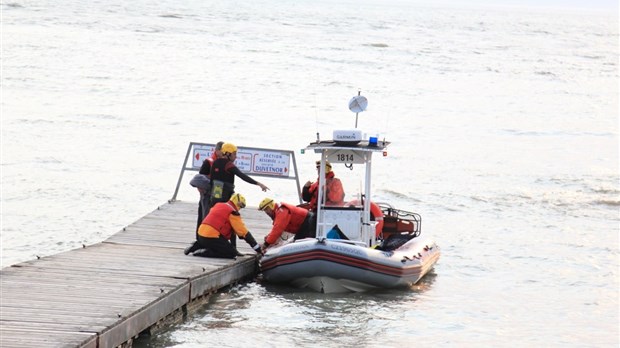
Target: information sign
x: 250, y: 160
x: 201, y: 153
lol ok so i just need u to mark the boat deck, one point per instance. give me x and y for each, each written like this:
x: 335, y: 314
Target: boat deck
x: 104, y: 295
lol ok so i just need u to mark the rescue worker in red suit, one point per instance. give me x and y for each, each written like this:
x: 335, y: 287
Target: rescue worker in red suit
x: 334, y: 193
x: 217, y: 228
x: 287, y: 218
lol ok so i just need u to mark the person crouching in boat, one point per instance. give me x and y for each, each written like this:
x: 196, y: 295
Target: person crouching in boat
x: 287, y: 218
x: 216, y: 230
x: 334, y: 193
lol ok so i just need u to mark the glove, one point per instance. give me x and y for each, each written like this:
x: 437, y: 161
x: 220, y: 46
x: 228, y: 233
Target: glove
x: 250, y: 240
x: 258, y: 249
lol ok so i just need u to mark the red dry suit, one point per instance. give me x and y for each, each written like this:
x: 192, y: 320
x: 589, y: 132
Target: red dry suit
x: 288, y: 218
x: 334, y: 195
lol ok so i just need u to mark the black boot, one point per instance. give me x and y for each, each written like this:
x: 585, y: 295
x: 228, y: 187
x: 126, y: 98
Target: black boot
x: 191, y: 248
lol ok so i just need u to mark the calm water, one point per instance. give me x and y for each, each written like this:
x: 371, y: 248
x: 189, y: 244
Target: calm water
x: 504, y: 130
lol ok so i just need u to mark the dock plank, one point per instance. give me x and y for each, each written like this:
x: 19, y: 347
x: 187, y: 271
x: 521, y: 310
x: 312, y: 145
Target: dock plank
x: 104, y: 294
x: 42, y: 337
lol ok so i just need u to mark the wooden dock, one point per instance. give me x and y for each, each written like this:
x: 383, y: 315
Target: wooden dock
x: 106, y: 294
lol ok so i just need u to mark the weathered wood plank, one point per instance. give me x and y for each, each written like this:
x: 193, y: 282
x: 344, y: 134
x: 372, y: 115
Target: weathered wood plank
x: 144, y: 318
x: 110, y: 291
x: 29, y: 337
x: 98, y: 277
x: 34, y: 326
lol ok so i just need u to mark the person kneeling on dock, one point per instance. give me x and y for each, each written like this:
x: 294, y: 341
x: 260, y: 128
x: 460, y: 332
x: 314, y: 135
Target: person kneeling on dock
x: 287, y: 218
x: 216, y: 229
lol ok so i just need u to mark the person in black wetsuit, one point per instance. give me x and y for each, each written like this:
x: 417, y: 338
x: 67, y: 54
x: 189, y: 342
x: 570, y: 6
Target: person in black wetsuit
x: 203, y: 178
x: 223, y: 172
x: 202, y: 182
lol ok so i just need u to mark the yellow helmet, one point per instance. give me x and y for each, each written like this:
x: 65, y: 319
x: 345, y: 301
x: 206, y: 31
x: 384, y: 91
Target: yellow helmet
x: 229, y: 148
x: 267, y: 203
x: 238, y: 200
x: 328, y: 166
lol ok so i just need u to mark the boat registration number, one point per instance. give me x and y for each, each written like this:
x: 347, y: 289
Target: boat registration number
x: 346, y: 156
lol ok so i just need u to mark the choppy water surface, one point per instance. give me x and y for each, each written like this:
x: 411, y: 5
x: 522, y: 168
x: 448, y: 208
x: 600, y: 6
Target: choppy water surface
x: 504, y: 130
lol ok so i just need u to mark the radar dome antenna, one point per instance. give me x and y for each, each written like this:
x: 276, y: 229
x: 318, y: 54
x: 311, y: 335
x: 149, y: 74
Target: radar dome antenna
x: 358, y: 104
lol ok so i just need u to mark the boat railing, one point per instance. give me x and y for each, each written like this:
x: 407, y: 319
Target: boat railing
x: 400, y: 221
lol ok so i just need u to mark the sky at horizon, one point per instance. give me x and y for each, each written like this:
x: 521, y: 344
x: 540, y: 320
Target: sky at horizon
x: 599, y: 4
x: 611, y: 5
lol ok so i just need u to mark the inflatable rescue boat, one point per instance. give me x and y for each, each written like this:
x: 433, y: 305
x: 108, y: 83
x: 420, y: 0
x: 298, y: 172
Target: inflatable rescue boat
x: 354, y: 249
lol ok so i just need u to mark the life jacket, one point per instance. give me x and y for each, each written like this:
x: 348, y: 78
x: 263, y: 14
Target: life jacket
x: 207, y: 163
x: 218, y: 218
x: 222, y: 180
x: 205, y: 168
x: 297, y: 216
x: 334, y: 194
x: 376, y: 214
x: 219, y: 170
